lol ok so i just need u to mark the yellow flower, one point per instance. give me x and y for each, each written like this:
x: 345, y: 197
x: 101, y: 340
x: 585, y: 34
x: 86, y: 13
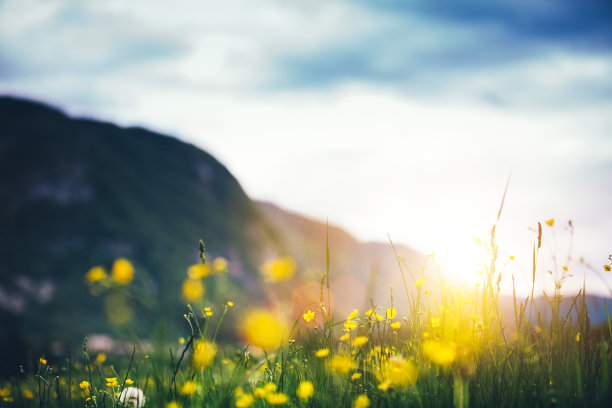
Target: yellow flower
x: 440, y: 353
x: 512, y: 257
x: 27, y: 394
x: 259, y: 392
x: 305, y: 390
x: 95, y: 274
x: 203, y: 353
x: 397, y: 372
x: 181, y: 340
x: 578, y: 337
x: 173, y: 404
x: 244, y: 401
x: 396, y: 325
x: 230, y: 303
x: 129, y: 382
x: 565, y: 268
x: 353, y: 314
x: 356, y: 376
x: 344, y: 337
x: 309, y: 315
x: 193, y: 290
x: 4, y: 392
x: 350, y: 325
x: 219, y: 265
x: 207, y: 311
x: 278, y: 270
x: 263, y: 329
x: 322, y: 353
x: 269, y: 387
x: 8, y: 399
x: 362, y: 401
x: 341, y: 364
x: 111, y: 382
x: 419, y: 283
x: 607, y: 268
x: 123, y: 271
x: 360, y: 341
x: 42, y: 361
x: 435, y: 322
x: 550, y: 222
x: 188, y: 388
x: 371, y: 313
x: 391, y: 313
x: 198, y: 271
x: 101, y: 358
x: 277, y: 398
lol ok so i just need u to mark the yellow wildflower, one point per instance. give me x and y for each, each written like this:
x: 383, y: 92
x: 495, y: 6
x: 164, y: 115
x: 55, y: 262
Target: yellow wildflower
x: 356, y: 376
x: 27, y: 394
x: 277, y: 398
x: 244, y: 401
x: 278, y: 270
x: 309, y: 315
x: 207, y: 311
x: 95, y: 274
x: 123, y: 271
x: 259, y: 392
x: 263, y: 329
x: 607, y: 268
x: 550, y: 222
x: 219, y: 264
x: 391, y: 313
x: 341, y: 364
x: 344, y: 337
x: 193, y: 290
x: 371, y: 313
x: 578, y: 337
x: 8, y: 399
x: 564, y: 268
x: 42, y: 361
x: 350, y: 325
x: 353, y: 314
x: 362, y: 401
x: 129, y: 382
x: 440, y: 353
x: 435, y: 322
x: 181, y: 340
x: 269, y: 387
x: 305, y: 390
x: 419, y: 283
x: 397, y: 372
x: 111, y: 382
x: 230, y: 303
x: 360, y: 341
x: 203, y: 353
x: 173, y: 404
x: 4, y: 392
x: 322, y: 353
x: 396, y: 325
x: 189, y: 388
x: 198, y: 271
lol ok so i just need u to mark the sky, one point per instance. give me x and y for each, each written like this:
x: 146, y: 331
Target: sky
x: 386, y: 117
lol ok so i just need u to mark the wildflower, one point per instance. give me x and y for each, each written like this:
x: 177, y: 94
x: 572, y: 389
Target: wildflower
x: 396, y: 325
x: 244, y: 401
x: 181, y: 340
x: 277, y: 398
x: 193, y: 290
x: 512, y: 257
x: 391, y: 313
x: 278, y: 270
x: 8, y: 399
x: 198, y: 271
x: 263, y: 329
x: 350, y: 325
x: 269, y: 387
x: 550, y: 222
x: 440, y: 353
x: 203, y: 353
x: 208, y: 312
x: 341, y: 364
x: 344, y: 337
x: 564, y: 268
x: 578, y: 337
x: 133, y: 397
x: 95, y: 274
x: 322, y: 353
x: 5, y: 392
x: 305, y: 390
x: 27, y: 394
x: 353, y: 314
x: 219, y: 264
x: 259, y: 392
x: 360, y: 341
x: 356, y: 376
x: 230, y: 303
x: 129, y: 382
x: 188, y: 388
x: 397, y: 372
x: 371, y: 313
x: 111, y: 382
x: 173, y: 404
x: 362, y: 401
x: 419, y: 283
x: 309, y: 315
x: 435, y: 322
x: 42, y: 361
x: 123, y: 271
x: 607, y: 268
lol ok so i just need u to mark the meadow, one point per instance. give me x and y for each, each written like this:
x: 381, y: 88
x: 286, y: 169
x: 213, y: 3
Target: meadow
x: 451, y: 347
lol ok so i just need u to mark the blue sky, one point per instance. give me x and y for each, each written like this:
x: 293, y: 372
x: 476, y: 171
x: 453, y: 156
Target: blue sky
x: 399, y: 117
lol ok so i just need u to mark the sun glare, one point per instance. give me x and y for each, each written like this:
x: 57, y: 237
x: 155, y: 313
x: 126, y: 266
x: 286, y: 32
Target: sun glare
x: 462, y: 260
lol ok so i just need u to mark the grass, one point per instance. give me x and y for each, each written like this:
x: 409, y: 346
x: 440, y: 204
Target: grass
x: 451, y: 347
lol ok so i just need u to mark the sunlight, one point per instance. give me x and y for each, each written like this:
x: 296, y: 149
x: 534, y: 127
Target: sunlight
x: 462, y: 259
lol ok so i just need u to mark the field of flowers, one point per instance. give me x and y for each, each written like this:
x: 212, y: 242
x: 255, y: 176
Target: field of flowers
x: 451, y: 347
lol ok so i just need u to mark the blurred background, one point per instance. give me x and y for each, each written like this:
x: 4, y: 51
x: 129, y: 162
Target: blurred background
x: 400, y: 119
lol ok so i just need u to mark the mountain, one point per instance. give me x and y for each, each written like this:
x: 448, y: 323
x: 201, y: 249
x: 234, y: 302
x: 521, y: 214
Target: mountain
x: 75, y: 193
